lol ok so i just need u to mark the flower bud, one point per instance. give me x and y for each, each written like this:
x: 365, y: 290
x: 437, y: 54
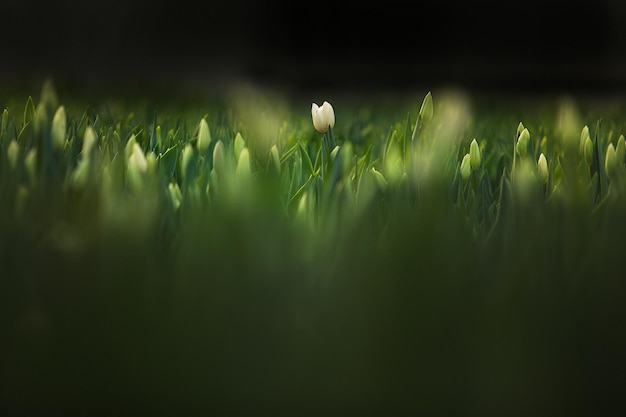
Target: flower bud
x: 204, y: 136
x: 238, y: 144
x: 275, y: 158
x: 323, y: 117
x: 137, y: 160
x: 219, y: 160
x: 89, y: 140
x: 542, y: 168
x: 620, y: 149
x: 610, y: 162
x: 474, y: 153
x: 588, y: 151
x: 13, y: 151
x: 584, y: 135
x: 426, y: 111
x: 466, y: 168
x: 185, y: 160
x: 520, y: 128
x: 522, y: 143
x: 243, y: 165
x: 30, y: 163
x: 59, y: 128
x: 128, y: 149
x: 175, y: 195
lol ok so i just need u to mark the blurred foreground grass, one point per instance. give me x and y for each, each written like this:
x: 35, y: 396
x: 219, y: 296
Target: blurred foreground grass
x: 218, y: 259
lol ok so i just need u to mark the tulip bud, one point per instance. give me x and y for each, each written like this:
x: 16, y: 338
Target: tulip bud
x: 128, y: 149
x: 542, y: 168
x: 522, y: 143
x: 185, y: 159
x: 610, y: 162
x: 426, y: 111
x: 243, y: 165
x: 175, y: 195
x: 620, y: 149
x: 474, y: 153
x: 13, y: 151
x: 275, y: 158
x: 59, y: 128
x: 584, y: 135
x: 238, y: 144
x: 219, y: 160
x: 520, y: 128
x: 89, y: 140
x: 137, y: 167
x: 204, y: 136
x: 323, y: 117
x: 30, y: 163
x: 588, y: 151
x: 137, y: 160
x: 466, y: 168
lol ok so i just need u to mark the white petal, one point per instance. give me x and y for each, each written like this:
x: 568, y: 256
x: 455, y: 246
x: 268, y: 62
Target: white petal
x: 316, y: 116
x: 328, y: 115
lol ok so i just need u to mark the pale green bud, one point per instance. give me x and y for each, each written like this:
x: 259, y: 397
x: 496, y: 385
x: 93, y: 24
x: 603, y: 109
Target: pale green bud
x: 522, y: 143
x: 130, y: 144
x: 59, y: 128
x: 204, y: 136
x: 13, y: 152
x: 520, y: 128
x: 542, y: 168
x: 40, y: 119
x: 466, y: 168
x: 610, y: 162
x: 151, y: 162
x: 243, y: 164
x: 474, y: 153
x: 275, y: 158
x: 30, y: 162
x: 159, y: 136
x: 175, y: 195
x: 3, y: 123
x: 238, y: 144
x: 620, y: 149
x: 48, y: 96
x: 588, y: 151
x: 89, y: 140
x: 301, y: 211
x: 185, y: 159
x: 219, y: 159
x: 584, y: 135
x: 137, y: 167
x: 323, y: 116
x: 138, y: 160
x: 426, y: 110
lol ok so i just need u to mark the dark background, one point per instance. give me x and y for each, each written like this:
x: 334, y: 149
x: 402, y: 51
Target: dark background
x: 521, y: 46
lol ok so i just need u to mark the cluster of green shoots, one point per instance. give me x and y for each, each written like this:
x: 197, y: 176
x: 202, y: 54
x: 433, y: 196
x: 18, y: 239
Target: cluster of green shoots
x: 117, y: 174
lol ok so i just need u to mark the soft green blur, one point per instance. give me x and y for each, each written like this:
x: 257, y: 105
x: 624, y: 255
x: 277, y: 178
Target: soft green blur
x: 219, y: 258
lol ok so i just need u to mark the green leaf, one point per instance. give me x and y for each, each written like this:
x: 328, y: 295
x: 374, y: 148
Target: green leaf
x: 29, y: 111
x: 167, y: 161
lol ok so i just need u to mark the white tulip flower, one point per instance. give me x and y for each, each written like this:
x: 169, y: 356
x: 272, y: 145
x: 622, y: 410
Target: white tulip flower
x: 323, y: 117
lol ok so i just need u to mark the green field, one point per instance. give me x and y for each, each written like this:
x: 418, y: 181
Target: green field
x: 219, y: 255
